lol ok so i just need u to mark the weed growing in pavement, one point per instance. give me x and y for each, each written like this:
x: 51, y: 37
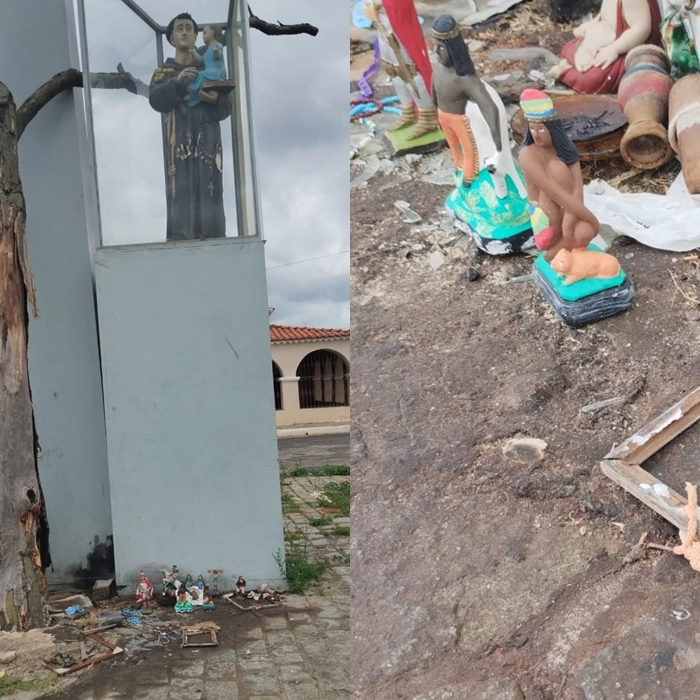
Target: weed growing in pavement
x: 320, y: 522
x: 328, y: 470
x: 298, y: 570
x: 341, y: 531
x: 336, y: 495
x: 289, y: 505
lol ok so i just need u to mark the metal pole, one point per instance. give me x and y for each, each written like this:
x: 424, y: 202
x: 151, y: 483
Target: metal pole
x: 235, y: 131
x: 161, y: 59
x: 143, y: 15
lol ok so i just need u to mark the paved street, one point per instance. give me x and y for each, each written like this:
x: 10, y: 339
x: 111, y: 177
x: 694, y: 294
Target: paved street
x: 298, y: 651
x: 313, y: 451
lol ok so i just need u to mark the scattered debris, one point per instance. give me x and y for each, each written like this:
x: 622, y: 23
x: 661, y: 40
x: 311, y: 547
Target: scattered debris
x: 525, y: 449
x: 436, y: 260
x: 623, y: 463
x: 410, y: 217
x: 605, y: 403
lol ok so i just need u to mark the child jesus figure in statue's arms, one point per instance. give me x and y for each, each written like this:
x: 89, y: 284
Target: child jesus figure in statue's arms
x: 214, y: 67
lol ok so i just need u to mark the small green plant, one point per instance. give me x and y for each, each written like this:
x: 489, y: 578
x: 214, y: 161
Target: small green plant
x: 336, y: 495
x: 341, y: 531
x: 10, y: 688
x: 328, y: 470
x: 291, y: 536
x: 289, y: 505
x: 320, y: 522
x: 299, y: 571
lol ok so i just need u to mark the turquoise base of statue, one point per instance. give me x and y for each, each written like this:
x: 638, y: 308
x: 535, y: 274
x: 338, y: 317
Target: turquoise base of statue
x: 498, y: 225
x: 582, y: 288
x: 185, y: 607
x: 587, y: 300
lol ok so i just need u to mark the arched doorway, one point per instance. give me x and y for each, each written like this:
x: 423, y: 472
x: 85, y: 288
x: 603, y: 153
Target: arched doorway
x: 277, y: 385
x: 323, y: 380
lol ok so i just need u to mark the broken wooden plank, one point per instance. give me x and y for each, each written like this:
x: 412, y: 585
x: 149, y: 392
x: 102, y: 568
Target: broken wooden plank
x: 104, y: 628
x: 102, y: 641
x: 647, y: 441
x: 188, y: 638
x: 649, y: 490
x: 89, y: 662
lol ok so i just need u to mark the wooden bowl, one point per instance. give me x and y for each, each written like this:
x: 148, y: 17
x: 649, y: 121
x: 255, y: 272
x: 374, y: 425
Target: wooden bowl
x: 595, y: 123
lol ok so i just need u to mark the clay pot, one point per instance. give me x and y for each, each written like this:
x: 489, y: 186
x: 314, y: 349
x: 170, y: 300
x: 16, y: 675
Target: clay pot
x: 643, y: 97
x: 684, y: 128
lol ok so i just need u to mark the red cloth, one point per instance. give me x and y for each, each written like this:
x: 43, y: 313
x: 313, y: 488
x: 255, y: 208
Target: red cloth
x: 597, y: 81
x: 404, y: 23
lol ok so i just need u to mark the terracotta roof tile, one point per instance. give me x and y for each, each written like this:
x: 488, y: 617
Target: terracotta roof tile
x: 281, y: 334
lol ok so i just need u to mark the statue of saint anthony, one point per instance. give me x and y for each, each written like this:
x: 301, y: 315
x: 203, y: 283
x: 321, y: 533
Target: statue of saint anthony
x: 194, y: 155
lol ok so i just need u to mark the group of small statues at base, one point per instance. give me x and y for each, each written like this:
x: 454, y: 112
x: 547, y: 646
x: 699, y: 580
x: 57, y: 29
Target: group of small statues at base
x: 185, y: 596
x: 538, y: 202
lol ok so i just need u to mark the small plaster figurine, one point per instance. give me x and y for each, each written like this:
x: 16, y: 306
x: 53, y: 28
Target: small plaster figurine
x: 240, y: 586
x: 593, y: 62
x: 144, y: 593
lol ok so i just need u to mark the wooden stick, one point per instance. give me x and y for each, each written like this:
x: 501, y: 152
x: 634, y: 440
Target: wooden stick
x: 89, y: 662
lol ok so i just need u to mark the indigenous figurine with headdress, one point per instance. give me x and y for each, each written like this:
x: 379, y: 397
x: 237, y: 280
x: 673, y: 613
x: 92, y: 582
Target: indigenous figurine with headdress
x: 593, y: 62
x: 404, y: 57
x: 582, y: 283
x: 490, y: 199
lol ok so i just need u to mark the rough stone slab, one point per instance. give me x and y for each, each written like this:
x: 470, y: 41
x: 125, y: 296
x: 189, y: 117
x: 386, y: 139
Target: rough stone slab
x: 151, y: 692
x: 299, y: 617
x: 188, y: 669
x: 294, y: 674
x: 220, y: 690
x: 302, y: 691
x: 275, y: 623
x: 185, y: 688
x: 261, y: 683
x: 220, y: 671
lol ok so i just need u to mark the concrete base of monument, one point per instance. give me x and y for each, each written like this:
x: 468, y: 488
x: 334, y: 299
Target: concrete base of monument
x: 607, y: 297
x: 398, y: 144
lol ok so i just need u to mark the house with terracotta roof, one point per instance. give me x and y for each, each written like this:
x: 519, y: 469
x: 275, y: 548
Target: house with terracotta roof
x: 311, y: 375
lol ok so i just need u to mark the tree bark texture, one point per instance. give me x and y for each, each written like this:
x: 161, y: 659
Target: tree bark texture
x: 22, y: 516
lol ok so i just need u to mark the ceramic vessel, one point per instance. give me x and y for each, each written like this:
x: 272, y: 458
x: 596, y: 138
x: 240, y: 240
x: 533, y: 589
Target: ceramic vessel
x: 643, y: 97
x: 684, y: 128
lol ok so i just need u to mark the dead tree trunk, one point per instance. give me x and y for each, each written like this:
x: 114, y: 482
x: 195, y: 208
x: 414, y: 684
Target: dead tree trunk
x: 22, y: 582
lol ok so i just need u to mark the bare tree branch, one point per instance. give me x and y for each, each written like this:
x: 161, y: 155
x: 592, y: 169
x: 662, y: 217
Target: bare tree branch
x: 279, y: 28
x: 67, y: 80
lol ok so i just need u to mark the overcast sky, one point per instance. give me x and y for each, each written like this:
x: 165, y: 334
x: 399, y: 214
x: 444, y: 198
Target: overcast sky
x: 299, y: 89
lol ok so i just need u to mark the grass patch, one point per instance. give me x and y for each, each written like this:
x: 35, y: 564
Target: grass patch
x: 289, y: 505
x: 320, y: 522
x: 292, y: 536
x: 328, y: 470
x: 9, y: 688
x: 298, y: 570
x: 341, y: 531
x: 336, y: 496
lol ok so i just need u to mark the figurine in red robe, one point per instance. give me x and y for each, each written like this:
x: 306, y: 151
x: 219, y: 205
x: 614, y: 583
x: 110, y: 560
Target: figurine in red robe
x: 594, y: 61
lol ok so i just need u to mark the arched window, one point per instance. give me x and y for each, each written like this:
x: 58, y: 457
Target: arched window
x: 323, y: 380
x: 276, y: 376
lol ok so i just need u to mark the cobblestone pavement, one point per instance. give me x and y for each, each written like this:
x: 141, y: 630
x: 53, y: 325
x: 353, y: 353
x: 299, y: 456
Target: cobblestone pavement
x: 299, y: 651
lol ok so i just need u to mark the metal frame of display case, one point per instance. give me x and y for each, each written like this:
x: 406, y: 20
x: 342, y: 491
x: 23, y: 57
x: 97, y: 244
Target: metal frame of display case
x: 248, y: 214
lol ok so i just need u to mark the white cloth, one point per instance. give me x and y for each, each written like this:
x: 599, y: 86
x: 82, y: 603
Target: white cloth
x: 667, y: 222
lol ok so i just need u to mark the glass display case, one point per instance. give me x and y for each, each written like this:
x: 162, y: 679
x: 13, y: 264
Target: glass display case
x: 169, y: 118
